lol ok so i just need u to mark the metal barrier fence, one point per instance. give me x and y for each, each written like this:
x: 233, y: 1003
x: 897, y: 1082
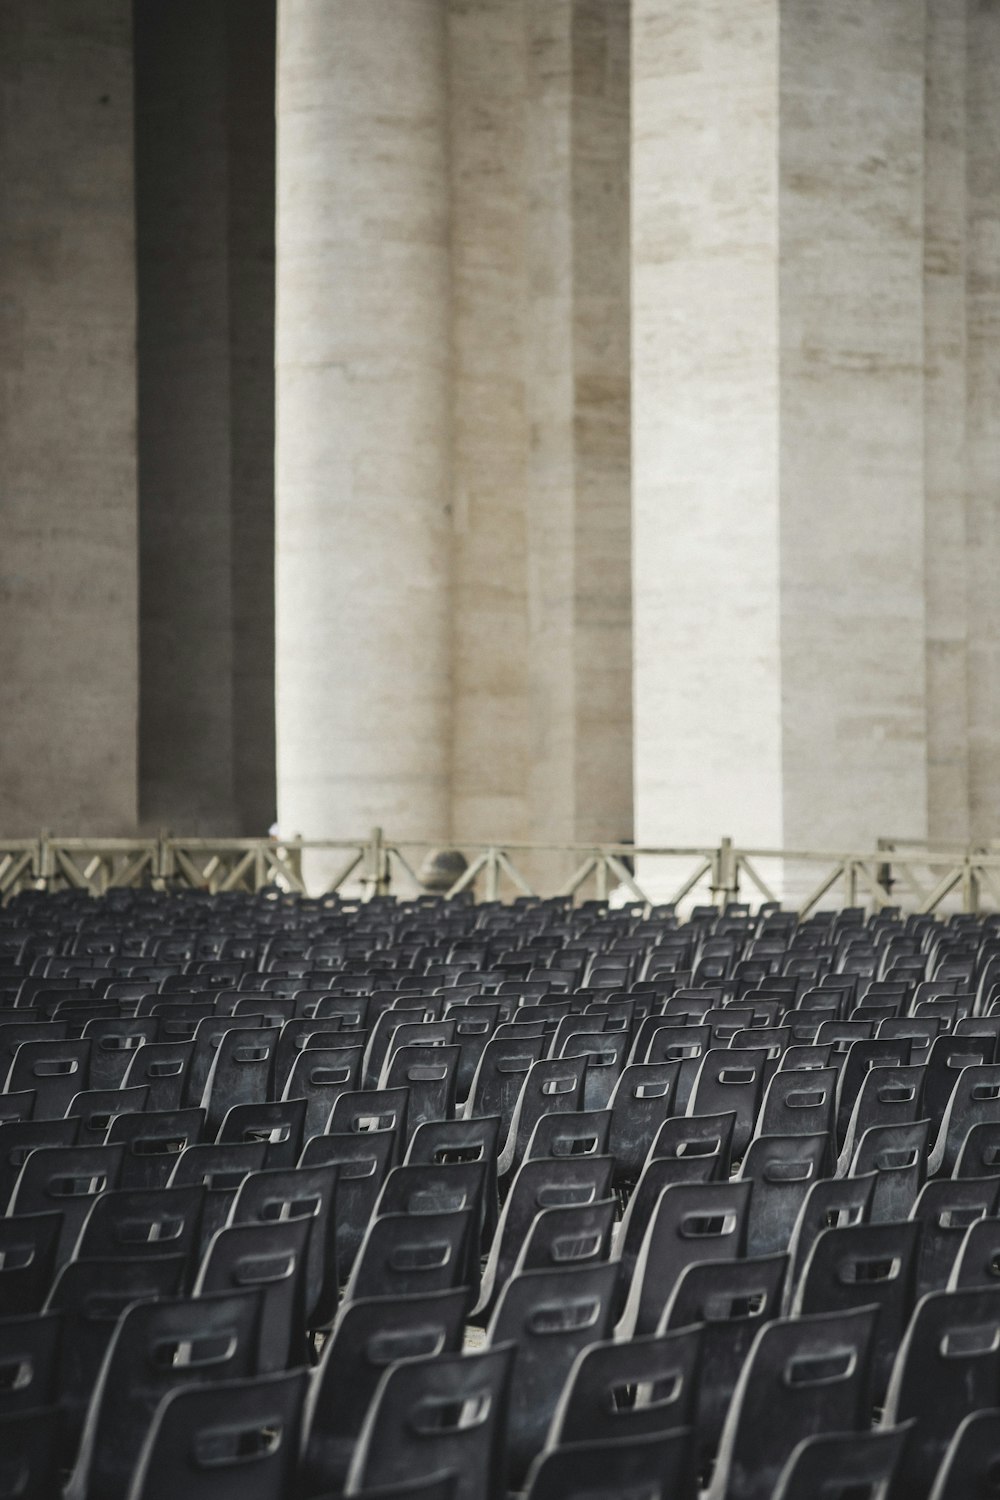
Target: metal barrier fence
x: 920, y: 878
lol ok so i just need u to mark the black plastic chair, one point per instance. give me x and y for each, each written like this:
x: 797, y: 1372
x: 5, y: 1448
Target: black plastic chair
x: 886, y: 1096
x: 369, y: 1336
x: 407, y: 1254
x: 285, y: 1194
x: 320, y: 1075
x: 235, y: 1440
x: 92, y: 1295
x: 691, y: 1222
x: 803, y: 1376
x: 271, y: 1258
x: 945, y: 1209
x: 729, y: 1301
x: 897, y: 1154
x: 830, y: 1203
x: 946, y: 1368
x: 30, y: 1445
x: 453, y: 1142
x: 66, y: 1179
x: 429, y: 1073
x: 158, y: 1347
x: 151, y: 1221
x: 842, y: 1464
x: 782, y: 1169
x: 643, y: 1387
x: 552, y: 1086
x: 446, y: 1413
x: 798, y: 1101
x: 30, y: 1354
x: 500, y: 1076
x: 55, y: 1069
x: 734, y: 1081
x: 278, y: 1123
x: 28, y: 1246
x: 643, y: 1098
x: 974, y: 1100
x: 865, y: 1265
x: 574, y: 1235
x: 570, y: 1133
x: 655, y: 1468
x: 550, y: 1317
x: 152, y: 1142
x: 363, y: 1162
x: 372, y: 1112
x: 18, y: 1137
x: 241, y: 1073
x: 163, y: 1068
x: 549, y: 1182
x: 971, y: 1461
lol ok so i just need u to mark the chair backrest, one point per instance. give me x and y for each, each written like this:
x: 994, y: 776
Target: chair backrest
x: 369, y: 1335
x: 653, y: 1468
x: 363, y: 1161
x: 549, y: 1182
x: 843, y: 1464
x: 691, y: 1222
x: 158, y: 1347
x: 28, y: 1246
x: 241, y: 1073
x: 320, y: 1075
x: 162, y: 1068
x: 30, y: 1349
x: 429, y: 1073
x: 151, y: 1143
x: 280, y: 1124
x: 798, y: 1101
x: 30, y: 1453
x: 897, y: 1154
x: 67, y: 1179
x: 641, y: 1387
x: 573, y: 1235
x: 971, y: 1461
x: 945, y: 1209
x: 729, y: 1301
x: 643, y: 1098
x: 864, y: 1265
x: 782, y: 1169
x: 225, y: 1441
x: 582, y: 1132
x: 446, y: 1413
x: 550, y: 1317
x: 946, y: 1367
x: 803, y: 1376
x: 284, y: 1194
x: 731, y: 1081
x: 272, y: 1258
x: 405, y: 1254
x: 888, y: 1095
x: 552, y: 1085
x: 55, y: 1068
x: 150, y: 1221
x: 974, y: 1100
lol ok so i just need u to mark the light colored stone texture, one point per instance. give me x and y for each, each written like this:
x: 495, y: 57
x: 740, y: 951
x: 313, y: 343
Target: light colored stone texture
x: 705, y: 432
x: 68, y: 613
x: 944, y: 421
x: 205, y: 147
x: 982, y: 520
x: 363, y: 428
x: 539, y: 153
x: 778, y: 411
x: 853, y: 695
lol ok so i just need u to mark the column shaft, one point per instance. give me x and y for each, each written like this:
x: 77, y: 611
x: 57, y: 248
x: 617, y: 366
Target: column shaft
x: 68, y: 638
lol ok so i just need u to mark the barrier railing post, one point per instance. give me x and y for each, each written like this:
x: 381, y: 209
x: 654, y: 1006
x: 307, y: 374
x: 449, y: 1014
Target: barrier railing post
x: 377, y: 879
x: 725, y: 874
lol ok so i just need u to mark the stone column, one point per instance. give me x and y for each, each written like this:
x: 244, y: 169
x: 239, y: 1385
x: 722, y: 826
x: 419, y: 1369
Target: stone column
x: 205, y: 219
x: 363, y: 473
x: 540, y: 184
x: 982, y: 311
x: 68, y: 544
x: 778, y: 418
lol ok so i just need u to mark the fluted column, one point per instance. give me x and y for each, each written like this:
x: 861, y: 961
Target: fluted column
x: 363, y: 429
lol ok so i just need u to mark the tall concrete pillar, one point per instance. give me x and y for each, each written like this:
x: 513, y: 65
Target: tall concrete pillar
x: 363, y: 474
x: 779, y: 420
x: 68, y: 544
x: 204, y: 74
x: 982, y: 311
x: 540, y: 185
